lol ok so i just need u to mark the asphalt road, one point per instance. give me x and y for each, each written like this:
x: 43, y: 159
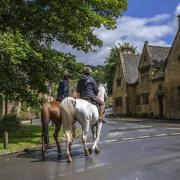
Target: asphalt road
x: 130, y: 150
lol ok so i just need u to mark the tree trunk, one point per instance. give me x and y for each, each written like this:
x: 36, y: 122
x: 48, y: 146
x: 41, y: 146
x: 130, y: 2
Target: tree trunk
x: 1, y: 109
x: 6, y: 105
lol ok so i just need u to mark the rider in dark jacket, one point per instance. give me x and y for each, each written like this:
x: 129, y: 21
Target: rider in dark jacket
x: 63, y: 90
x: 88, y: 89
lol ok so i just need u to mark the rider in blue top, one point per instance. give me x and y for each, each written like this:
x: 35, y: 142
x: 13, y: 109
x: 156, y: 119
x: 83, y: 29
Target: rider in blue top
x: 63, y: 90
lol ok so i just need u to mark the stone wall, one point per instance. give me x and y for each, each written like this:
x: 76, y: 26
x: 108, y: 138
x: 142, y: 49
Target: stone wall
x: 119, y: 91
x: 172, y: 80
x: 157, y: 98
x: 131, y: 100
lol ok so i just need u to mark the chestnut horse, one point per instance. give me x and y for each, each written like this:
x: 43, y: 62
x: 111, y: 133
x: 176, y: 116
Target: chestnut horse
x: 50, y: 112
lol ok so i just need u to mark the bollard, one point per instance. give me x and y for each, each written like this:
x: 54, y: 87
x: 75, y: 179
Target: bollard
x: 5, y: 140
x: 31, y: 121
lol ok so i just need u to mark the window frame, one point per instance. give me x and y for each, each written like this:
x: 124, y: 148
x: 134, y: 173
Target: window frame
x: 145, y: 98
x: 118, y: 101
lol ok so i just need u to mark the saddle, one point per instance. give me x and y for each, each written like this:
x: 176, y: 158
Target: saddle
x: 92, y: 101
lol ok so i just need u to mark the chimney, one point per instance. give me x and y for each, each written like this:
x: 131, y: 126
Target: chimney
x: 126, y: 50
x: 178, y: 16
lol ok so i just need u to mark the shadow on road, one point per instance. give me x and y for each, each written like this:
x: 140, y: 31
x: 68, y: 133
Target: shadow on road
x: 54, y: 156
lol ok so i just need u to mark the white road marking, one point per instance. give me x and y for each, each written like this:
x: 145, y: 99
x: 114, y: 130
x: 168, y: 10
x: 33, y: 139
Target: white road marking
x: 160, y: 135
x: 113, y: 134
x: 174, y: 133
x: 142, y: 137
x: 112, y: 140
x: 111, y: 122
x: 173, y: 128
x: 124, y: 139
x: 147, y: 130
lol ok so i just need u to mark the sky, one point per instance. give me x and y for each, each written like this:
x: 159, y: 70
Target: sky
x: 154, y: 21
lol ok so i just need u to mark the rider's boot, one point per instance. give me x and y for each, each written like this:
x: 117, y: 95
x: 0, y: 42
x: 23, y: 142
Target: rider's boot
x: 101, y: 114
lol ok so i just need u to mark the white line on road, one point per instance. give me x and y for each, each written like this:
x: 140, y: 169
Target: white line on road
x: 173, y: 128
x: 160, y: 135
x: 124, y: 139
x: 175, y: 134
x: 142, y: 137
x: 112, y: 140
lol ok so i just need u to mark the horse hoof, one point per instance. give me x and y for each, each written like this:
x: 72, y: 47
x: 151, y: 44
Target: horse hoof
x: 59, y: 151
x: 90, y: 150
x: 86, y: 152
x: 44, y: 157
x: 69, y: 159
x: 97, y: 150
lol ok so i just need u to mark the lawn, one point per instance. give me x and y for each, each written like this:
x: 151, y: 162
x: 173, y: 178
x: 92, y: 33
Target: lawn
x: 27, y: 136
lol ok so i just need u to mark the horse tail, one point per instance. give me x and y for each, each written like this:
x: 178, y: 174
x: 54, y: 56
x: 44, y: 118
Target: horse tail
x: 45, y: 121
x: 68, y: 116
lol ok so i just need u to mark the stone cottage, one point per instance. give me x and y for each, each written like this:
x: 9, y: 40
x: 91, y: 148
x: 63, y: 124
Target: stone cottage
x: 149, y: 84
x: 125, y: 80
x: 150, y: 87
x: 172, y: 78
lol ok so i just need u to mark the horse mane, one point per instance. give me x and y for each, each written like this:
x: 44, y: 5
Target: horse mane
x: 102, y: 92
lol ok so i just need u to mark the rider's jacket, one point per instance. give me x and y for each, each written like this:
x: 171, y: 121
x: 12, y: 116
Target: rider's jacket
x: 87, y: 87
x: 63, y: 90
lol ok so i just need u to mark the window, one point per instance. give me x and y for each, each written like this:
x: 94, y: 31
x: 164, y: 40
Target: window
x: 179, y: 57
x: 118, y: 101
x: 118, y: 81
x: 145, y: 98
x: 138, y: 100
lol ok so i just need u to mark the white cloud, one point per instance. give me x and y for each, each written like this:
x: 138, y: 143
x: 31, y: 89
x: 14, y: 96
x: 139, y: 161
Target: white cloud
x: 129, y: 29
x: 178, y: 9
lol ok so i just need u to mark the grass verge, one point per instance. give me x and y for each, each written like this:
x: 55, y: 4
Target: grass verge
x: 28, y: 136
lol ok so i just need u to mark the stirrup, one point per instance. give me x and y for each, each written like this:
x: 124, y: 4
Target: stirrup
x: 101, y: 119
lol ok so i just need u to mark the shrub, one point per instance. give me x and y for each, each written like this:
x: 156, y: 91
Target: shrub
x: 9, y: 123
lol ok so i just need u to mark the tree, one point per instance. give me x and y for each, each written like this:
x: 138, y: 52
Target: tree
x: 99, y: 74
x: 111, y: 61
x: 71, y: 22
x: 27, y: 29
x: 26, y: 71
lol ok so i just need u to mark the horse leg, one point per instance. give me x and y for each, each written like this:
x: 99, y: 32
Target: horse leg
x: 84, y: 138
x: 68, y: 143
x: 44, y: 153
x: 56, y: 132
x: 94, y: 136
x: 45, y: 137
x: 98, y: 130
x: 93, y: 132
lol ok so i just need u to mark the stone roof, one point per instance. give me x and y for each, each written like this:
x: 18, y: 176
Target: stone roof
x: 130, y: 65
x: 158, y: 55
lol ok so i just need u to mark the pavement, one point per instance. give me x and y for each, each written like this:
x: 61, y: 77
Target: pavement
x: 130, y: 150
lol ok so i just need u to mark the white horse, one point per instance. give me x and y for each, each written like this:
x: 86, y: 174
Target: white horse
x: 87, y: 115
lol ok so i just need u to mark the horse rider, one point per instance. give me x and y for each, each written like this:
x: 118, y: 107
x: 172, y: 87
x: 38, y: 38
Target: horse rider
x: 63, y: 89
x: 88, y: 89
